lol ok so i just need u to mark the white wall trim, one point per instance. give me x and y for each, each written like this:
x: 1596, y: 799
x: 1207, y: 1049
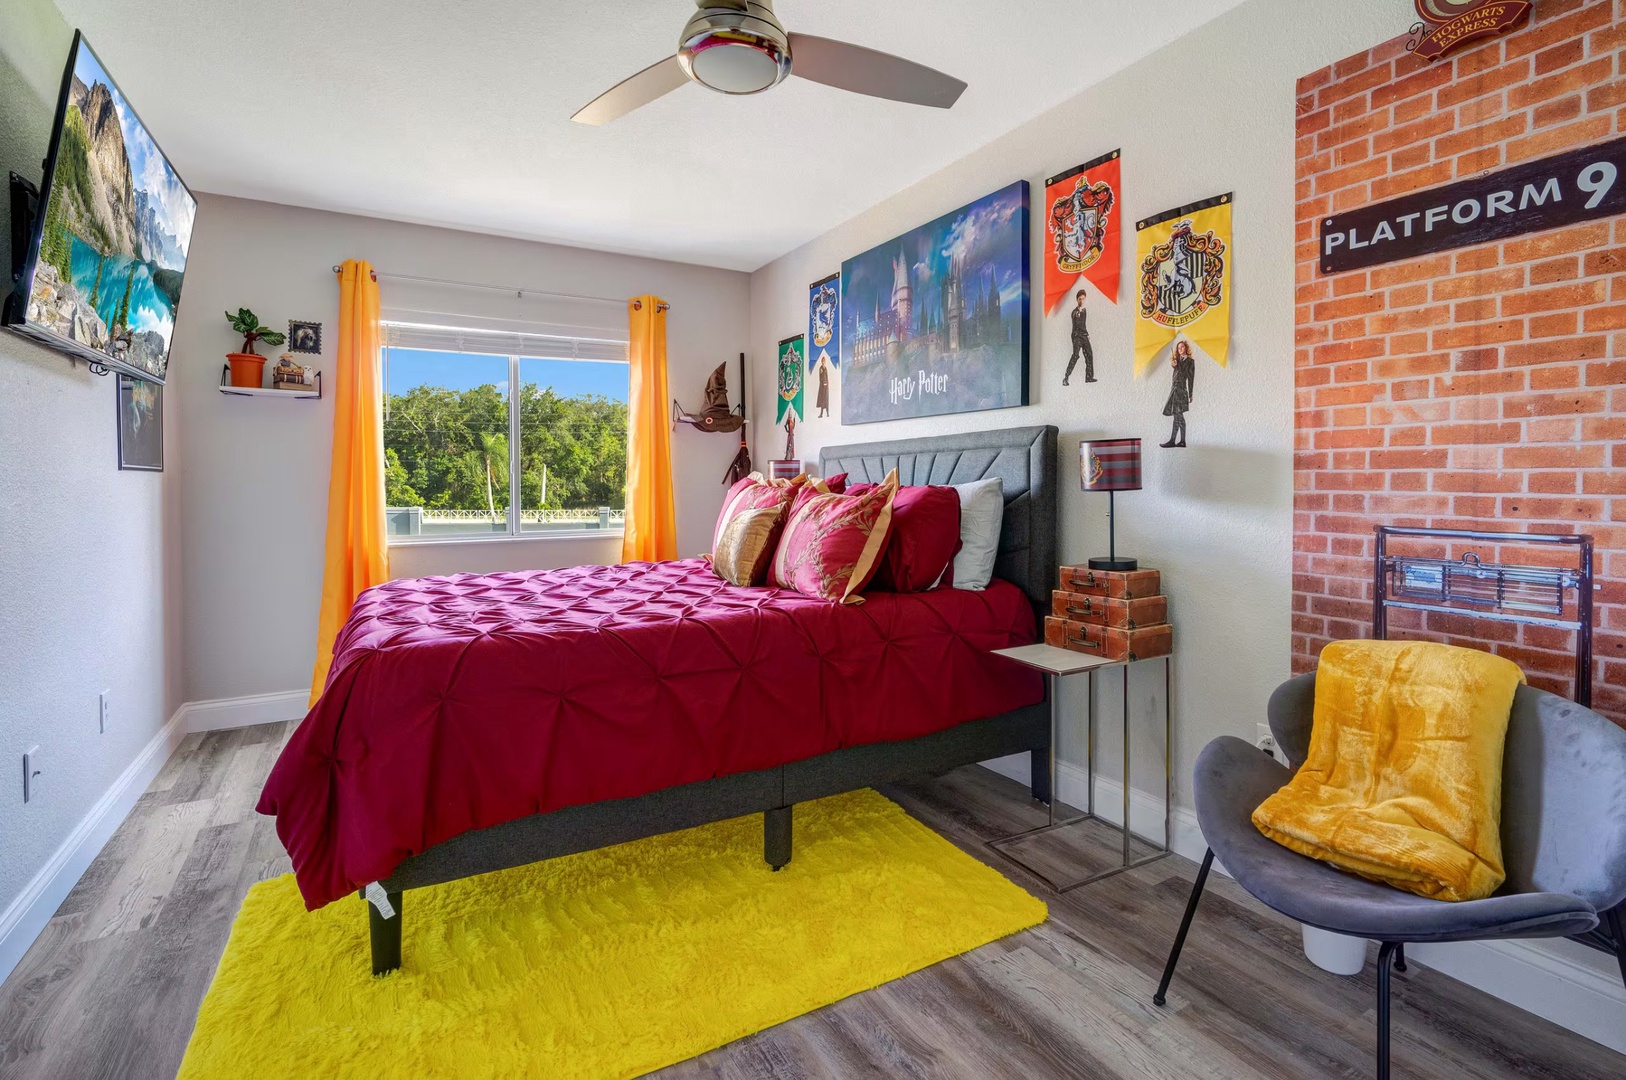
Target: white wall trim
x: 1541, y: 977
x: 25, y: 918
x: 223, y: 713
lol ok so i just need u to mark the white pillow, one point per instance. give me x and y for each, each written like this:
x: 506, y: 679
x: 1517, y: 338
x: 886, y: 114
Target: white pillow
x: 982, y: 512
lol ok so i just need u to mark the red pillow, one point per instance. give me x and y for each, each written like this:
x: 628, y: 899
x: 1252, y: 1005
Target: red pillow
x: 924, y: 539
x: 837, y: 483
x: 833, y: 543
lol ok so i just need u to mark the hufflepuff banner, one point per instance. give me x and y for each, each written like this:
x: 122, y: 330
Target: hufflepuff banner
x: 1183, y: 281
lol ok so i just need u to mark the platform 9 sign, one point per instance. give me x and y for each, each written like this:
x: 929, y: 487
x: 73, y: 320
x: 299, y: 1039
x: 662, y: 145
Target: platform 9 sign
x: 1576, y: 186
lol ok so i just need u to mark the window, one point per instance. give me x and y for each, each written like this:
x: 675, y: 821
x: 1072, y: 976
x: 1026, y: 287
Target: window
x: 467, y: 456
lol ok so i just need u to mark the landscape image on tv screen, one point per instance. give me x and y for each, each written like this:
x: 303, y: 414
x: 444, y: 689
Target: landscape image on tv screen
x: 117, y: 223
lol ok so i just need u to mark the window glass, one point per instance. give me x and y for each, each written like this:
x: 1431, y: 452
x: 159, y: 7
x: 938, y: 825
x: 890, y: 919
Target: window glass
x: 446, y: 452
x: 573, y: 444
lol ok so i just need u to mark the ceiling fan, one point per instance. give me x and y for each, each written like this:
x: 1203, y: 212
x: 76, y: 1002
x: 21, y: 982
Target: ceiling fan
x: 738, y: 47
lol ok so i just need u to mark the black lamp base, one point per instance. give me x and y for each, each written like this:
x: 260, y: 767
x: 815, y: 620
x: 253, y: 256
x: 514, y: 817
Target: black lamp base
x: 1119, y: 565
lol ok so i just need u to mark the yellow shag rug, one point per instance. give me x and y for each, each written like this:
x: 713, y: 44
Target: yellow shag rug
x: 611, y: 963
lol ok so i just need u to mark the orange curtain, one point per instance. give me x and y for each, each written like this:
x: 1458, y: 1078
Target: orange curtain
x: 357, y: 557
x: 650, y: 534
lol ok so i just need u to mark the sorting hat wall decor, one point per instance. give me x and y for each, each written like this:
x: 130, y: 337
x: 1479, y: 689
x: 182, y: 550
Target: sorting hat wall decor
x: 716, y: 415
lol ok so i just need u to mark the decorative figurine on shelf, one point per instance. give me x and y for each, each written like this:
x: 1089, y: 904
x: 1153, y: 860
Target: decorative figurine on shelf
x: 716, y: 416
x: 790, y: 436
x: 1081, y: 342
x: 288, y: 375
x: 1180, y: 395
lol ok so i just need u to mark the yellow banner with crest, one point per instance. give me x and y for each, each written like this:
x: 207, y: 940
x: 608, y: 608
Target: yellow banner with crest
x: 1183, y: 281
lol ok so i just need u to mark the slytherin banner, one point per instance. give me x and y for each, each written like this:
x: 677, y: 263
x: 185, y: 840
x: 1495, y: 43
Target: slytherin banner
x: 790, y: 378
x: 1183, y: 280
x: 1083, y: 230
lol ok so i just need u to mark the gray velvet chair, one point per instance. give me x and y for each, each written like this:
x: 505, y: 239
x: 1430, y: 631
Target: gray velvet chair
x: 1563, y: 841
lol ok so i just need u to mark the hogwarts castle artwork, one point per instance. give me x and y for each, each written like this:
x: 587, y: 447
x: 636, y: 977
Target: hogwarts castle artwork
x: 936, y: 320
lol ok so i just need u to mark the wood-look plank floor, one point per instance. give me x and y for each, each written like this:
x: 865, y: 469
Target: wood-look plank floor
x: 112, y: 987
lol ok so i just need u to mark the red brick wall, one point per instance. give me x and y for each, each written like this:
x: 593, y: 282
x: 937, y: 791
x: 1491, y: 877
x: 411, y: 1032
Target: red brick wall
x: 1479, y: 388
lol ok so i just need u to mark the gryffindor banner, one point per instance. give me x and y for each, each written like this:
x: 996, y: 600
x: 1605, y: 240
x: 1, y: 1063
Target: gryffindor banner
x: 1083, y: 230
x: 1183, y: 280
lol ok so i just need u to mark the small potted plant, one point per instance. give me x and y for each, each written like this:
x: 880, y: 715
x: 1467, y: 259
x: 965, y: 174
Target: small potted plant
x: 248, y: 366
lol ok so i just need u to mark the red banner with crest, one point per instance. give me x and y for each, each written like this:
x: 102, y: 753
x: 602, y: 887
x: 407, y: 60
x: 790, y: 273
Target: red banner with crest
x: 1083, y: 230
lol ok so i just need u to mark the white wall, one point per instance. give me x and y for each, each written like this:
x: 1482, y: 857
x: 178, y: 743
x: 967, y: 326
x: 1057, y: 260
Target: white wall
x: 89, y: 555
x: 254, y: 471
x: 1211, y: 113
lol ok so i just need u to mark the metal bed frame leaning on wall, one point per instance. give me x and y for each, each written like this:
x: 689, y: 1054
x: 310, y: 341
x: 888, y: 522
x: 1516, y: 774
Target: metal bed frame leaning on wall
x: 1509, y: 593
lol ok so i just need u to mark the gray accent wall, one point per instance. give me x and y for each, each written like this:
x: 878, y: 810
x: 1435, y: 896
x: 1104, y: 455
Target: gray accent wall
x: 89, y: 555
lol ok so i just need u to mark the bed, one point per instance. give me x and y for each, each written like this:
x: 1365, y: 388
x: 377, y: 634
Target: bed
x: 479, y: 722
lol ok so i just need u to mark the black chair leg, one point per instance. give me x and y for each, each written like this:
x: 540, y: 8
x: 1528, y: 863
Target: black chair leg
x: 776, y: 836
x: 385, y: 935
x: 1400, y: 958
x: 1617, y: 930
x: 1386, y: 956
x: 1160, y: 997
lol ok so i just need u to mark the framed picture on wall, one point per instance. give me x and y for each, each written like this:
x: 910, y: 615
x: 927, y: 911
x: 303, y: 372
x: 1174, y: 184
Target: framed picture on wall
x: 935, y: 321
x: 141, y: 425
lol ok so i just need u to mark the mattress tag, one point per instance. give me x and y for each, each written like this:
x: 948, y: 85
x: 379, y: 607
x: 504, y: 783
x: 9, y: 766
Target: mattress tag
x: 380, y: 900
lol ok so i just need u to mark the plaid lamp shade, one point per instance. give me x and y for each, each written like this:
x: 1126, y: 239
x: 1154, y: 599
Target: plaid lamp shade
x: 1109, y: 465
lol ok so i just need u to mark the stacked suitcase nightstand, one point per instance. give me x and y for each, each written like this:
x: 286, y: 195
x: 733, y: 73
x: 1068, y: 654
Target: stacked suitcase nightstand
x: 1099, y: 619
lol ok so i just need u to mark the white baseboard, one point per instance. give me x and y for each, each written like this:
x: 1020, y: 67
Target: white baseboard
x: 223, y: 713
x: 1574, y: 987
x: 1563, y: 981
x: 25, y: 918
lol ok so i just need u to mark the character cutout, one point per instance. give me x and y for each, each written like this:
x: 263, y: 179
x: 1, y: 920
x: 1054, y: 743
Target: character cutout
x: 1081, y: 343
x: 822, y: 402
x: 1184, y: 368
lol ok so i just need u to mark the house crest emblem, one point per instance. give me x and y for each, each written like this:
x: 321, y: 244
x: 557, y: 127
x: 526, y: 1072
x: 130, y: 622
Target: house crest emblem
x: 1451, y: 25
x: 1080, y: 220
x: 1182, y: 277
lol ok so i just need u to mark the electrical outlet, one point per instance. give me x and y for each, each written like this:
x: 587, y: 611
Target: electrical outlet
x: 104, y: 706
x: 31, y: 772
x: 1266, y: 741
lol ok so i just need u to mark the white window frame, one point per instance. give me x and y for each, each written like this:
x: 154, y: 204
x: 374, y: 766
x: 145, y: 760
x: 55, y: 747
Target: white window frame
x: 514, y: 456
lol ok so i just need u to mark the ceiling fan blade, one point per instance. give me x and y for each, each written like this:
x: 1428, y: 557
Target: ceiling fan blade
x: 656, y: 80
x: 866, y: 71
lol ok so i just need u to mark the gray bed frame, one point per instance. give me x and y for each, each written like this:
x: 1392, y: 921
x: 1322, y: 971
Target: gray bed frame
x: 1025, y: 459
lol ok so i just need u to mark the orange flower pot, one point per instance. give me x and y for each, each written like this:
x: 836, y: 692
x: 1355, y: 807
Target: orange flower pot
x: 247, y: 369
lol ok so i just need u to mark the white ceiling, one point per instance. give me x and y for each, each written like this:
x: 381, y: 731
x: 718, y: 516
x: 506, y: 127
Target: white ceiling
x: 457, y: 113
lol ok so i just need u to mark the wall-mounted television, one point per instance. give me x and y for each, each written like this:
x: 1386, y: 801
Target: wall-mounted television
x: 99, y: 248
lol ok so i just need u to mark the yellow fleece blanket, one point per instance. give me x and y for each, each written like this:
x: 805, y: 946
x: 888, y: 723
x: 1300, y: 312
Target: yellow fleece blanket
x: 1403, y: 782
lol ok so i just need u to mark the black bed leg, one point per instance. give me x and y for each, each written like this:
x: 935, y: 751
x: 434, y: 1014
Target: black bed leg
x: 385, y: 935
x: 776, y: 836
x: 1039, y: 764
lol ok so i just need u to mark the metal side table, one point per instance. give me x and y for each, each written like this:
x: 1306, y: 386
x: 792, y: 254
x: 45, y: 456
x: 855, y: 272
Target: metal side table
x: 1058, y: 664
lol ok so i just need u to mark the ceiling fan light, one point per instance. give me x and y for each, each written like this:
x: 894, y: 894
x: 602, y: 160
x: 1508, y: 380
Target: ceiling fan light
x: 735, y: 67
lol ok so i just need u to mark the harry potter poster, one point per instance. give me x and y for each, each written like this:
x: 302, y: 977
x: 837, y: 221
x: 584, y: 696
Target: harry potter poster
x: 936, y: 321
x: 1183, y: 281
x: 790, y: 378
x: 1083, y: 230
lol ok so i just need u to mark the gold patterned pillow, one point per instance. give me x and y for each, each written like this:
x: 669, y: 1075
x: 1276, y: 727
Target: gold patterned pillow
x: 746, y: 545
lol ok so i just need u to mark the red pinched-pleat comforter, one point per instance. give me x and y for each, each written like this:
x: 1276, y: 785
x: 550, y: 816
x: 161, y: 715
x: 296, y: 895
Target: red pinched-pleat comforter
x: 458, y: 703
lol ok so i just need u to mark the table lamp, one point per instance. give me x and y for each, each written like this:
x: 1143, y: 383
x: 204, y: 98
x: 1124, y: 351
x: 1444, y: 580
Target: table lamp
x: 1110, y: 465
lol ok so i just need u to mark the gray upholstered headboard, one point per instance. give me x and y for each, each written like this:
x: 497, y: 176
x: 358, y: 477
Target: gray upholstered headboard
x: 1024, y: 458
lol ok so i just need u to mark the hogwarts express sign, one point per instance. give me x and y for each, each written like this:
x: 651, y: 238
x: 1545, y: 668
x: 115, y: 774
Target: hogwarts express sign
x: 1576, y: 186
